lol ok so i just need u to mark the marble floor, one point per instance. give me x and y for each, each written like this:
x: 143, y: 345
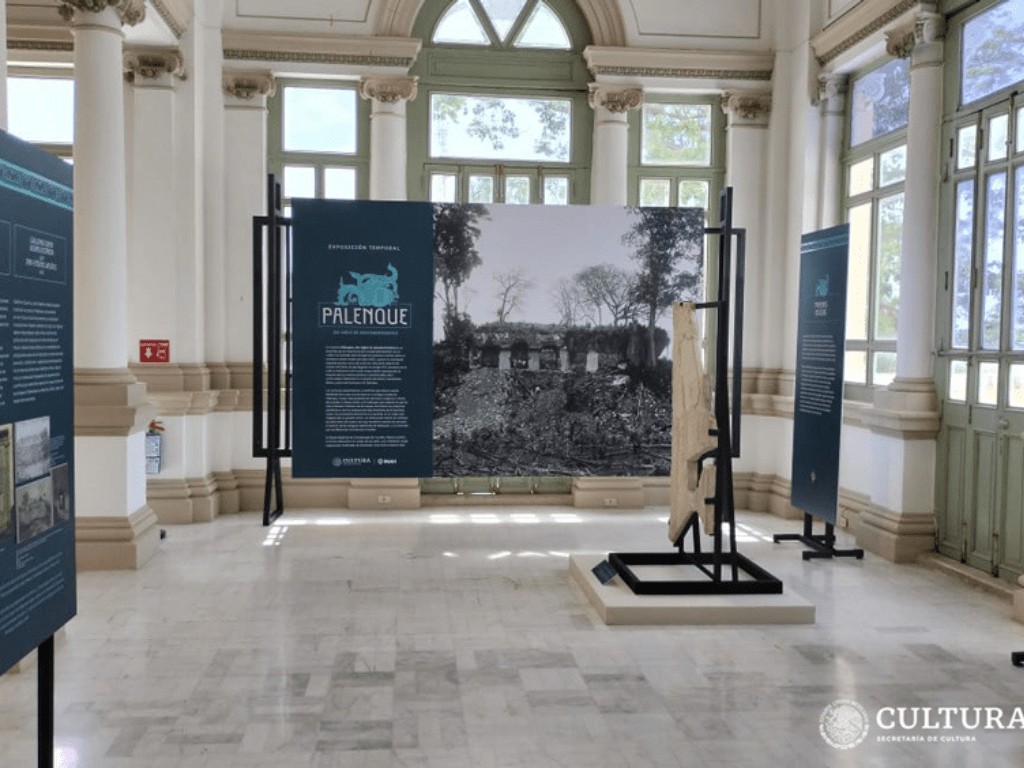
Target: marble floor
x: 452, y: 638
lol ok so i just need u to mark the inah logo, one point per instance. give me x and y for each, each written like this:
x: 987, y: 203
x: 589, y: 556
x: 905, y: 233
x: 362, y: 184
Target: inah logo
x: 369, y: 290
x: 821, y: 289
x: 843, y: 724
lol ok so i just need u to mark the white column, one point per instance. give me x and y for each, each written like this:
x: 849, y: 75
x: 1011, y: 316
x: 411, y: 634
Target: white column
x: 245, y: 164
x: 920, y: 199
x: 832, y: 95
x: 3, y: 65
x: 388, y: 97
x: 746, y: 173
x: 608, y: 179
x: 116, y: 528
x: 153, y: 274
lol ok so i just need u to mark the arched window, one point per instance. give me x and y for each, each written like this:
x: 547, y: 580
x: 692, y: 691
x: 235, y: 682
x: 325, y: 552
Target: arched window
x: 502, y: 115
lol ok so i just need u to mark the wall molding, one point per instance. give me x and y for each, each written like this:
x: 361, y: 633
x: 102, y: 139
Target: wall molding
x: 370, y: 52
x: 662, y: 63
x: 116, y: 543
x: 866, y: 20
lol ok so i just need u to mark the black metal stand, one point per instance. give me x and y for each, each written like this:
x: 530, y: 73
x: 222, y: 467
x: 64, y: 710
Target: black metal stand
x: 710, y: 565
x: 272, y: 328
x: 822, y: 546
x: 1017, y: 657
x: 45, y: 688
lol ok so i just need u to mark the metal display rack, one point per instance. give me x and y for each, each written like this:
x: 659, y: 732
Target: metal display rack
x: 717, y: 571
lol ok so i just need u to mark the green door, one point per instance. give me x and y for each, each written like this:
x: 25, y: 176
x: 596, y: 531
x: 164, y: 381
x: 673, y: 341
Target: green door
x: 980, y: 372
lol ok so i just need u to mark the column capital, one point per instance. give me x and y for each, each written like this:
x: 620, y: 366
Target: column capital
x: 832, y: 86
x: 747, y: 105
x: 248, y: 85
x: 924, y: 29
x: 130, y: 12
x: 388, y: 90
x: 152, y: 64
x: 615, y: 98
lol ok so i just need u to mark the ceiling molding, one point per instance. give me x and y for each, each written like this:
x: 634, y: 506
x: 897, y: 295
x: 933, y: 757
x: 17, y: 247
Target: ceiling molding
x: 176, y: 14
x: 604, y: 18
x: 865, y: 22
x: 686, y: 65
x: 321, y: 49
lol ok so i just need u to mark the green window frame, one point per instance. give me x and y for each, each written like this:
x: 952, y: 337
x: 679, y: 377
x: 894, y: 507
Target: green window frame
x: 323, y: 173
x: 874, y: 174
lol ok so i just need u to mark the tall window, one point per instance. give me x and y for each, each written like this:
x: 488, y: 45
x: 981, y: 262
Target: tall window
x: 318, y: 140
x: 875, y: 165
x: 502, y: 116
x: 41, y: 109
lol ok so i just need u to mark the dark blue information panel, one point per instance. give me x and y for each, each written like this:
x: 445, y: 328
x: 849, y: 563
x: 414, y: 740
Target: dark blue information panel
x: 821, y: 341
x: 37, y: 515
x: 363, y: 350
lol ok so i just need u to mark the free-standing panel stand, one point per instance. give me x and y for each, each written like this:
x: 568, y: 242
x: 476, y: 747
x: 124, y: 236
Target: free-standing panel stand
x: 272, y: 331
x: 822, y: 546
x: 711, y: 565
x: 45, y: 686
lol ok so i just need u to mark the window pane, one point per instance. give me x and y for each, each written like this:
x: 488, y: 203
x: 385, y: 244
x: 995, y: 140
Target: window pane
x: 880, y: 100
x: 340, y: 183
x: 556, y: 190
x: 481, y: 189
x: 958, y: 380
x: 892, y: 166
x: 962, y: 253
x: 319, y: 119
x: 299, y: 181
x: 693, y: 193
x: 998, y: 136
x: 988, y: 383
x: 992, y: 282
x: 676, y: 134
x: 991, y: 51
x: 503, y: 14
x: 859, y: 272
x: 655, y: 192
x: 1018, y: 261
x: 506, y: 128
x: 884, y: 370
x: 1020, y: 129
x: 41, y: 110
x: 1016, y: 394
x: 460, y: 25
x: 887, y: 279
x: 966, y: 146
x: 517, y: 190
x: 544, y: 30
x: 855, y: 367
x: 443, y: 187
x: 862, y: 177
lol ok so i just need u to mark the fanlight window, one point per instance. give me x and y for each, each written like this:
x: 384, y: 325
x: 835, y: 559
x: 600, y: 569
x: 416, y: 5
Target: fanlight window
x: 992, y: 55
x: 502, y: 23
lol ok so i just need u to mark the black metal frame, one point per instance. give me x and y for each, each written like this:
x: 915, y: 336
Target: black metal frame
x: 45, y: 695
x: 711, y: 564
x: 822, y: 546
x: 272, y: 330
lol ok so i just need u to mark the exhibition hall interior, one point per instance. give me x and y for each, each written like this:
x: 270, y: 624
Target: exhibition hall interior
x: 497, y: 383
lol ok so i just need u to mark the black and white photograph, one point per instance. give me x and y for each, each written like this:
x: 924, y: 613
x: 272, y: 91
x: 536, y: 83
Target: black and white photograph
x: 34, y: 509
x: 6, y: 480
x: 552, y: 341
x: 60, y: 477
x: 31, y: 449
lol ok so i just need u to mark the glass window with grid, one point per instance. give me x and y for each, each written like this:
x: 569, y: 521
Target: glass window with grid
x: 318, y: 141
x: 875, y: 165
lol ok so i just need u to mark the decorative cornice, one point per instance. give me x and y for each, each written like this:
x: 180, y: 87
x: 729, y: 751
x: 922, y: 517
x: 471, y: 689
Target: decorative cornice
x: 40, y: 45
x: 130, y: 12
x: 617, y: 100
x: 388, y: 90
x: 899, y: 42
x: 321, y: 49
x: 858, y: 25
x: 749, y: 105
x: 151, y: 63
x: 175, y: 14
x: 637, y: 63
x: 248, y: 85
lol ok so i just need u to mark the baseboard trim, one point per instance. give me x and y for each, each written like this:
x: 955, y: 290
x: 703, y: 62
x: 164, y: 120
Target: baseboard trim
x: 116, y: 543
